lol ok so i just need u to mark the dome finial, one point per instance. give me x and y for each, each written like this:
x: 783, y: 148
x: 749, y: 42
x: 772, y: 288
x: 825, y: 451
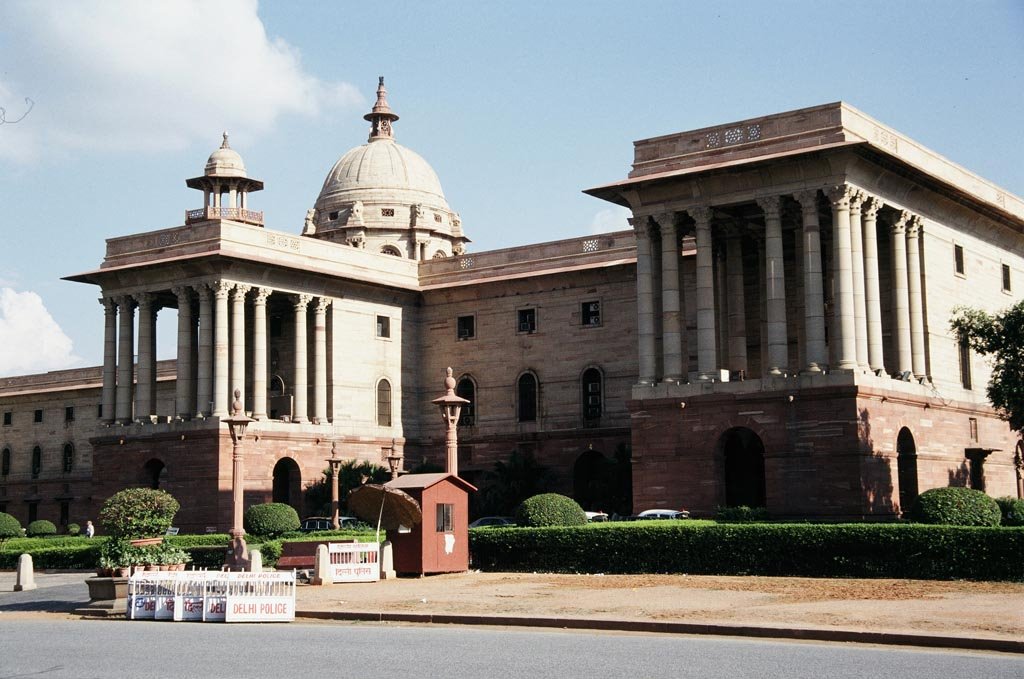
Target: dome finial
x: 381, y: 116
x: 224, y: 144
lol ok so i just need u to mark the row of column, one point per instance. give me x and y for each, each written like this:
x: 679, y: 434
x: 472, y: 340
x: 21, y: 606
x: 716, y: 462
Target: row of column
x: 857, y: 343
x: 204, y: 389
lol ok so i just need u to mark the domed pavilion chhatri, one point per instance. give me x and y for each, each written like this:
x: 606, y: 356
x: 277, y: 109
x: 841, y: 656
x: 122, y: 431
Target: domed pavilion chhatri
x: 773, y: 330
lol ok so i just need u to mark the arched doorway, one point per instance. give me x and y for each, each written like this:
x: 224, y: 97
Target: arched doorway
x: 590, y: 481
x: 287, y: 483
x: 743, y: 454
x: 153, y: 473
x: 906, y: 468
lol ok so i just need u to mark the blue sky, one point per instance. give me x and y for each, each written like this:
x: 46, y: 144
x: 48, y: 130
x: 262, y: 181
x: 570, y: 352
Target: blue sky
x: 518, y: 106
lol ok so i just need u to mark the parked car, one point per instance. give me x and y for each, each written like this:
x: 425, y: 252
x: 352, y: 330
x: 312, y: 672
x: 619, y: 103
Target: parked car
x: 596, y: 517
x: 662, y: 514
x: 493, y: 522
x: 318, y: 523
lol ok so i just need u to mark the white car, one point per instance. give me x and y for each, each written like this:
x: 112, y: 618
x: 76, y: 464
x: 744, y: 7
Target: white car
x: 596, y: 517
x: 663, y: 514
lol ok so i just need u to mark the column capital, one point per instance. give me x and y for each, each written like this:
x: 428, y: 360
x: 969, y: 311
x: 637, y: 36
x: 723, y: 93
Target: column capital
x: 239, y: 292
x: 124, y: 302
x: 701, y: 214
x: 666, y: 220
x: 260, y: 295
x: 856, y: 199
x: 871, y: 206
x: 220, y: 289
x: 109, y: 304
x: 915, y: 226
x: 808, y: 200
x: 770, y: 205
x: 322, y: 303
x: 301, y: 302
x: 182, y: 292
x: 641, y: 225
x: 900, y: 222
x: 840, y: 196
x: 143, y: 299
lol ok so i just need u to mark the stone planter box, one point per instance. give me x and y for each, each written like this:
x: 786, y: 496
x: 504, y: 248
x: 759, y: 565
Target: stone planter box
x: 107, y: 596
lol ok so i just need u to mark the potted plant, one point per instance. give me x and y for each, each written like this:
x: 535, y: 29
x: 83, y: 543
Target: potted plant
x: 141, y: 515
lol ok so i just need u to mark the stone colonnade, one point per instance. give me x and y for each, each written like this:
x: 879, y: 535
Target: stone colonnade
x: 856, y: 344
x: 211, y: 363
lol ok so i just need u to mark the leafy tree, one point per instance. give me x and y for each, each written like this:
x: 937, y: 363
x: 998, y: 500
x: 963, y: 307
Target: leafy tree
x: 999, y: 337
x: 10, y: 527
x: 351, y: 475
x: 512, y: 482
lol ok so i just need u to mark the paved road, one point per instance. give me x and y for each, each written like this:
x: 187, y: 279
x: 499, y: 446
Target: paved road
x: 108, y: 649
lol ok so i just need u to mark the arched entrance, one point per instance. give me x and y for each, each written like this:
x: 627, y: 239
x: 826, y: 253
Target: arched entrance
x: 743, y: 453
x: 906, y: 468
x: 287, y: 483
x: 154, y: 473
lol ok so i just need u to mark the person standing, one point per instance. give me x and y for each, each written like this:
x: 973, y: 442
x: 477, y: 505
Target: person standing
x: 90, y: 530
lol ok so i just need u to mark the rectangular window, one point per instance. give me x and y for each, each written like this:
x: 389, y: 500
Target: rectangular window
x: 383, y: 326
x: 33, y: 511
x: 445, y: 518
x: 8, y: 418
x: 37, y: 416
x: 99, y: 411
x: 958, y: 259
x: 466, y: 327
x: 69, y: 414
x: 590, y: 314
x: 65, y: 513
x: 527, y: 320
x: 1007, y: 287
x: 965, y: 363
x: 973, y: 422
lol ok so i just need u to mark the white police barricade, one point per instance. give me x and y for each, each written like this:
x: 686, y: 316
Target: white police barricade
x: 212, y: 596
x: 354, y: 561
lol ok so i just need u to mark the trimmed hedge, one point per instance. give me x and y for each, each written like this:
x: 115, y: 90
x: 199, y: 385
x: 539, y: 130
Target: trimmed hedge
x: 10, y: 527
x: 808, y: 550
x: 955, y: 507
x: 550, y: 509
x: 1012, y: 510
x: 270, y: 519
x: 741, y: 514
x: 138, y: 513
x: 40, y: 528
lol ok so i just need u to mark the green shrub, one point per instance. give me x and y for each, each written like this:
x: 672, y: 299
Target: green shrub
x: 550, y: 509
x: 805, y: 550
x: 271, y: 519
x: 73, y: 529
x: 1012, y: 510
x: 40, y: 528
x: 9, y: 527
x: 955, y: 507
x: 138, y: 513
x: 741, y: 514
x: 82, y: 555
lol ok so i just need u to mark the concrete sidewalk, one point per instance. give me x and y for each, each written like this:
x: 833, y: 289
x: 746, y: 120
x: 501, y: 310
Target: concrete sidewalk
x: 963, y: 615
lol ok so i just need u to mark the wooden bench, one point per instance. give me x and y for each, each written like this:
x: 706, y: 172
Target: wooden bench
x: 301, y: 555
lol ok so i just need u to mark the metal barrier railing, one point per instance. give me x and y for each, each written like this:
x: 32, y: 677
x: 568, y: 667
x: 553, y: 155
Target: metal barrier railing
x: 212, y: 596
x: 354, y: 561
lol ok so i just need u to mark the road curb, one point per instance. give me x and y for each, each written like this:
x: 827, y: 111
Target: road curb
x: 798, y: 634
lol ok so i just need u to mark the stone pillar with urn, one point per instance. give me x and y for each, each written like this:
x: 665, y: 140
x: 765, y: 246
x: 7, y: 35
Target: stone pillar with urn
x: 451, y: 408
x: 335, y: 462
x: 237, y: 558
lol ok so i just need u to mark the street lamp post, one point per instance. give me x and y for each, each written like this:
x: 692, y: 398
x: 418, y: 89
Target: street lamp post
x: 451, y: 408
x: 238, y: 554
x: 335, y: 463
x: 394, y: 459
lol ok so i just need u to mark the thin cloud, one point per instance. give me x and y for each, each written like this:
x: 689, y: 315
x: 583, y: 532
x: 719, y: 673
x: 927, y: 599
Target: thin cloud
x: 127, y: 76
x: 32, y: 341
x: 612, y: 218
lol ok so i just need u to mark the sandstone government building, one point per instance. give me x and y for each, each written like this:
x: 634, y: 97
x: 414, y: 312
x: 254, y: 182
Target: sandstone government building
x: 772, y: 331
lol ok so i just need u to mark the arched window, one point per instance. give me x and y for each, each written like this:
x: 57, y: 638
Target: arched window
x: 153, y: 472
x: 593, y: 394
x: 5, y: 463
x: 440, y: 254
x: 68, y: 458
x: 467, y: 390
x: 383, y: 403
x: 390, y: 250
x: 37, y: 462
x: 527, y: 402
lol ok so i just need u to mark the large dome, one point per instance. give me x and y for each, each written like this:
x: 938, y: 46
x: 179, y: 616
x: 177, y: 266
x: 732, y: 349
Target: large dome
x: 383, y: 197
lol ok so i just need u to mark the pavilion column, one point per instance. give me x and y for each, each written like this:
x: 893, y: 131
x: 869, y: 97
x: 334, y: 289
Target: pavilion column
x: 143, y: 388
x: 183, y: 407
x: 917, y: 352
x: 843, y: 272
x: 232, y: 198
x: 737, y: 319
x: 644, y: 302
x: 221, y: 290
x: 259, y: 353
x: 900, y: 295
x: 705, y: 293
x: 775, y: 287
x: 109, y: 358
x: 204, y: 360
x: 814, y: 298
x: 857, y: 261
x: 671, y: 310
x: 125, y: 359
x: 236, y: 380
x: 872, y: 296
x: 299, y: 409
x: 320, y: 360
